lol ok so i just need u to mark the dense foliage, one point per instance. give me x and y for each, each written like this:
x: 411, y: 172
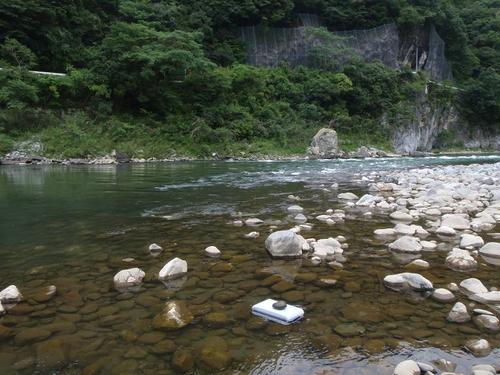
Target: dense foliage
x: 167, y: 75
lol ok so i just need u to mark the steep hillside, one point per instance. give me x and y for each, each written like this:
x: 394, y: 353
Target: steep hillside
x: 157, y: 78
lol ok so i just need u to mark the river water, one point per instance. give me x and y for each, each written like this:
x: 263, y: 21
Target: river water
x: 72, y: 227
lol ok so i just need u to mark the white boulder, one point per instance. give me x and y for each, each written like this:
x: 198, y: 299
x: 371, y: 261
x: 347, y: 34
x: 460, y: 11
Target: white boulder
x: 212, y: 251
x: 173, y: 269
x: 284, y: 243
x: 470, y: 240
x: 10, y: 295
x: 491, y: 249
x: 458, y: 313
x: 155, y: 248
x: 129, y: 277
x: 456, y: 221
x: 348, y: 196
x: 407, y: 367
x: 406, y: 244
x: 443, y: 295
x: 459, y: 259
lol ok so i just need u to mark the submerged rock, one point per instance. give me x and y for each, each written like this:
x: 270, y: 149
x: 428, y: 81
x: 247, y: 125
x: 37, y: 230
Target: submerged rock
x: 173, y: 269
x: 11, y: 295
x: 129, y: 278
x: 175, y: 315
x: 284, y: 243
x: 214, y: 353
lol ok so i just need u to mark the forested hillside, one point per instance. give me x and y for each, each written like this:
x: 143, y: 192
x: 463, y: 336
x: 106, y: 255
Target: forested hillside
x: 164, y: 77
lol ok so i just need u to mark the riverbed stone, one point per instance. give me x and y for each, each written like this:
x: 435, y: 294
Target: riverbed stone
x: 473, y: 286
x: 174, y: 269
x: 214, y: 353
x: 446, y: 231
x: 456, y: 221
x: 183, y: 360
x: 428, y: 245
x: 44, y: 294
x: 175, y: 315
x: 470, y: 240
x: 491, y: 249
x: 284, y: 243
x: 458, y: 313
x: 401, y: 216
x: 348, y: 196
x: 129, y: 278
x: 155, y: 248
x: 406, y: 244
x: 460, y: 259
x: 385, y: 232
x: 217, y: 319
x: 478, y: 347
x: 10, y: 295
x: 52, y: 353
x: 212, y: 251
x: 407, y: 367
x: 163, y: 347
x: 349, y: 329
x: 408, y: 280
x: 488, y: 322
x: 443, y: 295
x: 295, y: 209
x: 28, y: 335
x: 252, y: 222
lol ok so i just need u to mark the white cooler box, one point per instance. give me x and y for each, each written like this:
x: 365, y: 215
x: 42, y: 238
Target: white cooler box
x: 290, y: 314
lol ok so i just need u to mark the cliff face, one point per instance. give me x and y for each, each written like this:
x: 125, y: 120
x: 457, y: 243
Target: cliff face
x: 421, y: 131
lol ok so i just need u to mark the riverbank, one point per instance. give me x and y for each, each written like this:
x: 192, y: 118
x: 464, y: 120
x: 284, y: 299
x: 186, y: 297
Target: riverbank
x: 114, y: 159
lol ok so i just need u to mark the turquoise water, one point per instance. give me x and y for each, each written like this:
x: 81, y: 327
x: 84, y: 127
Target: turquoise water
x: 72, y: 226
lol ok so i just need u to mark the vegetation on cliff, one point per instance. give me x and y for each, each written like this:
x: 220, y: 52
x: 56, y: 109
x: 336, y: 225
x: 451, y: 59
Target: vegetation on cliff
x: 167, y: 76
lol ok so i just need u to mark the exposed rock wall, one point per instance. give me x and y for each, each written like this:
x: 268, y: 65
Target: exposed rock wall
x: 421, y: 132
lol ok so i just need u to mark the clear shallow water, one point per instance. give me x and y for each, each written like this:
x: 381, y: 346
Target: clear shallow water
x: 72, y: 227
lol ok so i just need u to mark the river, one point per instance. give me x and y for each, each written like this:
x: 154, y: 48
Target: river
x: 73, y: 227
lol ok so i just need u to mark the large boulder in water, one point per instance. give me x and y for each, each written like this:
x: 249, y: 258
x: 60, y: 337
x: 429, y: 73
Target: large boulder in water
x: 284, y: 243
x: 325, y: 144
